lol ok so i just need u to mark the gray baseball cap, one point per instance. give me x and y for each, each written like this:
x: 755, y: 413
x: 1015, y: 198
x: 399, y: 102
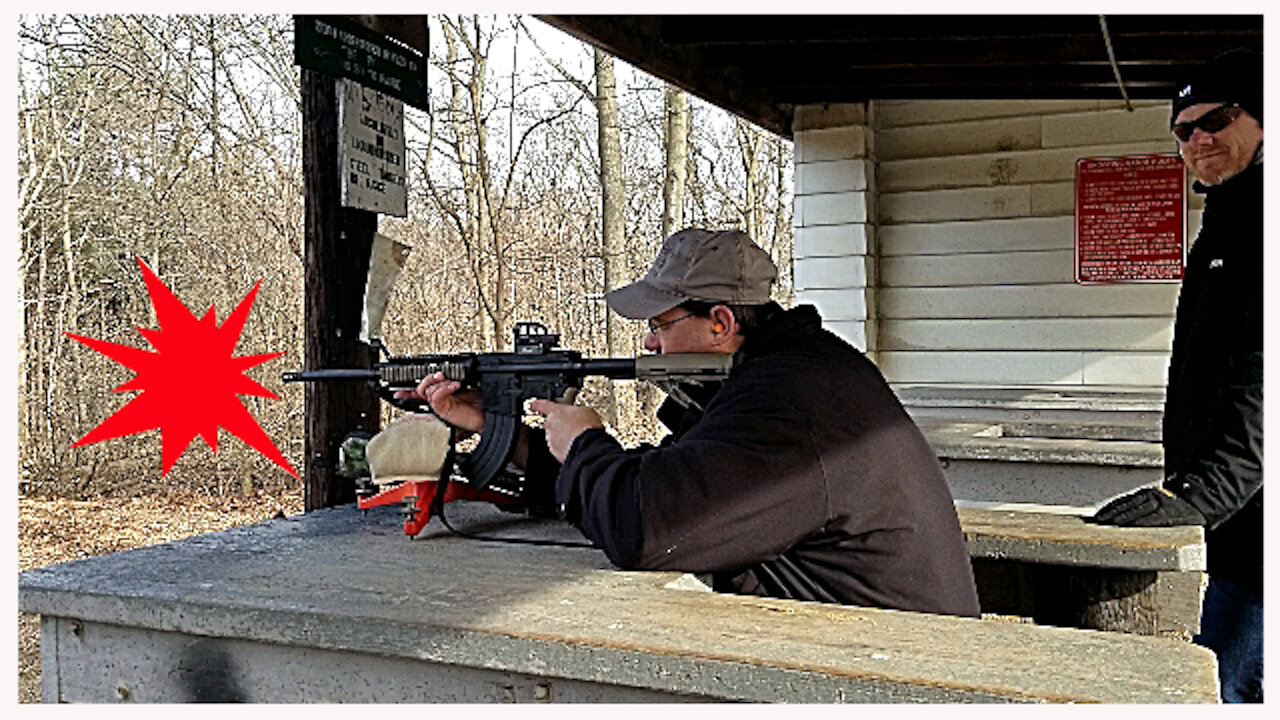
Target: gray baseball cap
x: 718, y: 266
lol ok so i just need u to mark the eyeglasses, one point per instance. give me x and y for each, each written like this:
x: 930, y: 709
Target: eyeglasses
x: 655, y: 327
x: 1214, y: 121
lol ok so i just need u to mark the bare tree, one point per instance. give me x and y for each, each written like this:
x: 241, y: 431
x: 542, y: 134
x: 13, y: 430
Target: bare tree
x: 176, y: 139
x: 749, y: 140
x: 612, y: 191
x: 118, y: 117
x: 676, y: 147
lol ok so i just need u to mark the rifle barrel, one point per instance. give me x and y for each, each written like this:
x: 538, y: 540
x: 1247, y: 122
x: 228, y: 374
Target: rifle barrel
x: 313, y: 375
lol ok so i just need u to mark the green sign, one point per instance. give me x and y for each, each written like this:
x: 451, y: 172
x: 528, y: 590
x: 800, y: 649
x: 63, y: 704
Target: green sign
x: 343, y: 48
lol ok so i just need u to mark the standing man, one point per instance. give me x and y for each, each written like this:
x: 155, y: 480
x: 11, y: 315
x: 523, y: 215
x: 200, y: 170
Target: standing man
x: 800, y: 476
x: 1213, y: 411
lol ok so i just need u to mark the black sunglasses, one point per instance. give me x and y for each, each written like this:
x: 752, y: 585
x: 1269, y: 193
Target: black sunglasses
x: 1215, y: 120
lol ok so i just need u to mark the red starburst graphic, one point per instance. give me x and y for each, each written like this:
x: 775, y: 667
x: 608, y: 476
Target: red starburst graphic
x: 190, y: 383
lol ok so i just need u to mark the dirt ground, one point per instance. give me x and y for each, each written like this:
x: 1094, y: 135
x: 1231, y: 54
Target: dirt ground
x: 52, y: 531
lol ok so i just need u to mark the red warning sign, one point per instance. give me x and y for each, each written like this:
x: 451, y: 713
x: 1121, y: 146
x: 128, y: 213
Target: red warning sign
x: 1130, y: 218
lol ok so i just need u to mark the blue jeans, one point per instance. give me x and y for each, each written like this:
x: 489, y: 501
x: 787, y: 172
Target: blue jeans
x: 1231, y: 626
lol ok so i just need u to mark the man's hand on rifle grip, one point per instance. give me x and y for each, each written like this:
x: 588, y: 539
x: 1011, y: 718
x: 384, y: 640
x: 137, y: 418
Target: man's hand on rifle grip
x: 564, y: 423
x: 464, y: 409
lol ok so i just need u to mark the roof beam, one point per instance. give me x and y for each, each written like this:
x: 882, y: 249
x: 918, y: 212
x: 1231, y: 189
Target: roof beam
x: 638, y: 40
x: 761, y: 66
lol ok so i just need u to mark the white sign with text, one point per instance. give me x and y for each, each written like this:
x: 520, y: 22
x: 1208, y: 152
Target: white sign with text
x: 372, y: 156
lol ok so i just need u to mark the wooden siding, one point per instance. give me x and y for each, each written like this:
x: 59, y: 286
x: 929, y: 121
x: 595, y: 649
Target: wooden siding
x: 974, y: 264
x: 835, y: 265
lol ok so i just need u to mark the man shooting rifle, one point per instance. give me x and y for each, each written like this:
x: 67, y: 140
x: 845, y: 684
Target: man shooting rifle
x: 799, y: 476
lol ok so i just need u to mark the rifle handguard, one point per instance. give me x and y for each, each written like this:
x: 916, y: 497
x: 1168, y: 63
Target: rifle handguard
x: 684, y: 367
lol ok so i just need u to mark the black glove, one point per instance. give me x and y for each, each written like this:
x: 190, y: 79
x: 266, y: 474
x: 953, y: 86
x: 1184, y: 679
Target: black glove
x: 1149, y: 507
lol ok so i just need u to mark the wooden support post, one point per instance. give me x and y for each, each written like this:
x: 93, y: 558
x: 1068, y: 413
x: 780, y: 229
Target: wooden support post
x: 338, y: 241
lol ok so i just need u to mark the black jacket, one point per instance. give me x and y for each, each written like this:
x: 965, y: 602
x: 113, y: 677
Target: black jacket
x: 1213, y: 411
x: 804, y: 479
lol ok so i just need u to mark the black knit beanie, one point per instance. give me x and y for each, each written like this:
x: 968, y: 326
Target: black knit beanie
x: 1233, y: 77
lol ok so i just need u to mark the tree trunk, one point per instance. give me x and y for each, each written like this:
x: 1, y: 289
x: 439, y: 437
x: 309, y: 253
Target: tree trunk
x: 676, y: 146
x: 612, y: 206
x: 612, y: 192
x: 487, y: 235
x: 749, y: 148
x: 472, y: 227
x: 214, y: 124
x: 781, y: 214
x: 41, y: 330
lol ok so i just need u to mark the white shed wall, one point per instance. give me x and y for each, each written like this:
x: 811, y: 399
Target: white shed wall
x: 834, y: 219
x: 938, y: 235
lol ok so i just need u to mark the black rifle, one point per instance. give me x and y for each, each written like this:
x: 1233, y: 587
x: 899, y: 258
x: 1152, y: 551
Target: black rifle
x: 536, y: 369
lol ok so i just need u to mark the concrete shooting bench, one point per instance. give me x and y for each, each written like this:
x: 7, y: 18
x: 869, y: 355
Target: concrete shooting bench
x: 338, y: 605
x: 1024, y: 467
x: 1059, y: 570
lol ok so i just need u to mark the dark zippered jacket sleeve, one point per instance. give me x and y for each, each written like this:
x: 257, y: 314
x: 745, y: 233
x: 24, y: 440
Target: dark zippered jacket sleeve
x: 725, y: 495
x: 1226, y: 469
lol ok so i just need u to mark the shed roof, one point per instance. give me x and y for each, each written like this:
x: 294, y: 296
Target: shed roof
x: 761, y: 66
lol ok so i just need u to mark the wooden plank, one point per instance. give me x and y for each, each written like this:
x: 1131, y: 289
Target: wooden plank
x: 828, y: 115
x: 906, y: 113
x: 1128, y: 334
x: 1065, y: 404
x: 982, y: 235
x: 832, y: 176
x: 1085, y: 132
x: 955, y: 204
x: 831, y: 209
x: 995, y: 235
x: 1060, y: 539
x: 1036, y: 267
x: 976, y: 224
x: 848, y: 142
x: 1000, y: 168
x: 1109, y: 126
x: 1015, y: 132
x: 1058, y: 300
x: 994, y: 442
x: 833, y: 240
x: 1054, y: 198
x: 985, y: 368
x: 834, y: 272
